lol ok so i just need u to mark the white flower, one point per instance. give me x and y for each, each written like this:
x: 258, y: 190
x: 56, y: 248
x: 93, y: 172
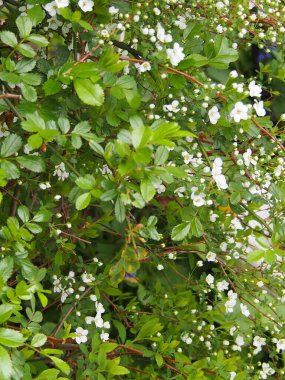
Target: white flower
x: 98, y: 321
x: 113, y: 10
x: 104, y: 336
x: 51, y: 8
x: 160, y: 188
x: 160, y: 267
x: 180, y: 191
x: 232, y: 375
x: 176, y: 54
x: 234, y: 74
x: 266, y: 370
x: 173, y: 107
x: 61, y: 172
x: 86, y: 5
x: 81, y: 335
x: 280, y: 345
x: 259, y: 109
x: 161, y: 36
x: 199, y: 200
x: 210, y: 279
x: 240, y: 112
x: 254, y: 89
x: 89, y: 320
x: 87, y: 277
x: 258, y: 342
x: 99, y: 308
x: 4, y: 130
x: 222, y: 285
x: 221, y: 181
x: 107, y: 325
x: 142, y: 68
x: 187, y: 157
x: 244, y: 310
x: 62, y: 3
x: 211, y: 256
x: 214, y: 115
x: 93, y: 297
x: 231, y: 302
x: 217, y: 166
x: 181, y: 22
x: 239, y: 341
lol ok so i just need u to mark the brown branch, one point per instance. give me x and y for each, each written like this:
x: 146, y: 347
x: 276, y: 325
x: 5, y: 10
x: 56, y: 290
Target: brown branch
x: 11, y: 96
x: 268, y: 133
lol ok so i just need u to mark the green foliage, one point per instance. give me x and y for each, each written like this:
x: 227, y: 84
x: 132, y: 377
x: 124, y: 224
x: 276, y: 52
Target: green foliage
x: 142, y: 190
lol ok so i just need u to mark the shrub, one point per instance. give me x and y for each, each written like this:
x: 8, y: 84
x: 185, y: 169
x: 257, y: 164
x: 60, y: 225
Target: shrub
x: 142, y: 190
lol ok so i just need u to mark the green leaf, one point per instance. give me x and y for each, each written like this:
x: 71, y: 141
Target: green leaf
x: 29, y: 92
x: 180, y: 231
x: 62, y: 365
x: 255, y: 255
x: 196, y: 228
x: 8, y: 38
x: 5, y: 312
x: 6, y: 368
x: 35, y: 141
x: 86, y: 183
x: 25, y: 25
x: 11, y: 338
x: 36, y: 14
x: 26, y: 50
x: 23, y: 213
x: 89, y: 92
x: 96, y: 147
x: 119, y: 370
x: 6, y: 268
x: 147, y: 189
x: 51, y: 87
x: 149, y: 328
x: 120, y: 210
x: 140, y: 136
x: 85, y: 70
x: 39, y: 340
x: 159, y: 359
x: 39, y: 40
x: 83, y: 201
x: 161, y: 155
x: 34, y: 163
x: 10, y: 145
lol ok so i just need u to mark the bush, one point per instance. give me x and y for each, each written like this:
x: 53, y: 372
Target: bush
x: 142, y: 190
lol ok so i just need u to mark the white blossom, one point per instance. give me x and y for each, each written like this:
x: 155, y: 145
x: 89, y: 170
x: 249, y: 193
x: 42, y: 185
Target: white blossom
x: 87, y: 277
x: 81, y: 335
x: 240, y: 112
x: 176, y: 54
x: 113, y: 10
x: 210, y: 279
x: 244, y: 310
x: 61, y: 172
x: 280, y: 345
x: 254, y: 89
x: 259, y: 109
x: 214, y: 115
x: 62, y: 3
x: 4, y: 130
x: 51, y: 8
x: 86, y: 5
x: 211, y: 256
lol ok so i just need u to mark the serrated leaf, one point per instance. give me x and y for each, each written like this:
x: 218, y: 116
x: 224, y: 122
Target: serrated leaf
x: 29, y: 92
x: 23, y: 213
x: 24, y: 25
x: 26, y: 50
x: 83, y: 201
x: 147, y: 189
x: 180, y: 231
x: 11, y: 338
x: 5, y: 364
x: 39, y: 340
x: 10, y: 145
x: 89, y: 92
x: 38, y: 40
x: 51, y: 87
x: 6, y: 268
x: 120, y: 210
x: 8, y: 38
x: 62, y: 365
x: 34, y: 163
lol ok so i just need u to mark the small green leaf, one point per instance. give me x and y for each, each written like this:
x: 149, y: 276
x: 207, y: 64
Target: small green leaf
x: 62, y: 365
x: 5, y: 312
x: 34, y: 163
x: 159, y: 359
x: 51, y: 87
x: 11, y: 338
x: 26, y: 50
x: 29, y: 92
x: 8, y: 38
x: 120, y: 210
x: 35, y: 141
x: 10, y: 145
x: 25, y: 25
x: 39, y: 340
x: 83, y: 201
x: 39, y: 40
x: 23, y: 213
x: 89, y: 92
x: 147, y: 189
x: 6, y: 368
x: 180, y: 231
